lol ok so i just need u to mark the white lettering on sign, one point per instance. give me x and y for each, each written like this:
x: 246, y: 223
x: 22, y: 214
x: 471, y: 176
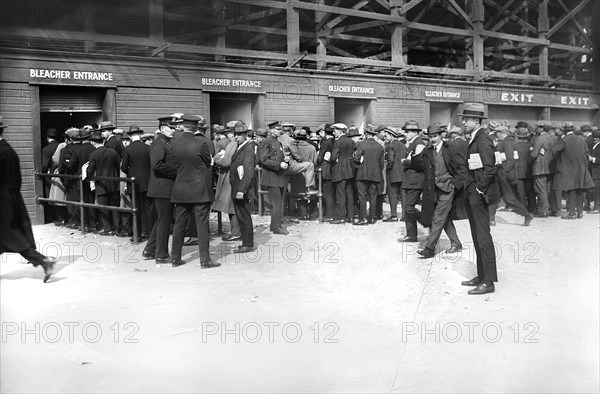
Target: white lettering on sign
x: 516, y: 97
x: 442, y: 94
x: 573, y: 100
x: 63, y: 74
x: 351, y: 89
x: 231, y: 82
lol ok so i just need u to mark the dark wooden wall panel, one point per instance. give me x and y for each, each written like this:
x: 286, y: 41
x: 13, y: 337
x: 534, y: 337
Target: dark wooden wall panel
x: 396, y: 112
x: 301, y: 110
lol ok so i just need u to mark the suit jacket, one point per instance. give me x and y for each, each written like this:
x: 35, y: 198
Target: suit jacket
x: 507, y: 147
x: 413, y: 179
x: 541, y: 162
x: 15, y: 227
x: 341, y: 159
x: 371, y: 168
x: 242, y: 163
x: 104, y: 162
x: 80, y: 156
x: 395, y: 151
x: 326, y: 146
x: 47, y: 153
x: 116, y: 144
x: 192, y: 157
x: 136, y: 163
x: 484, y: 179
x: 572, y: 166
x: 523, y: 163
x: 64, y: 167
x: 271, y: 156
x: 595, y: 166
x: 163, y: 168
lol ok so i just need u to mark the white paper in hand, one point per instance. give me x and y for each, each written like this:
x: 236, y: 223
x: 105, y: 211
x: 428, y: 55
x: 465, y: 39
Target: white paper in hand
x: 515, y: 155
x: 362, y: 159
x: 327, y: 156
x: 475, y: 162
x: 498, y: 157
x: 84, y: 168
x: 240, y: 171
x: 503, y: 156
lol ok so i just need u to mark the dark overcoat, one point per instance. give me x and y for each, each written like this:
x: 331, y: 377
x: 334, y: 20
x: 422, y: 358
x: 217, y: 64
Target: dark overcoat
x: 484, y: 178
x: 136, y: 163
x: 412, y: 179
x: 193, y: 160
x: 572, y: 165
x: 341, y: 159
x: 163, y: 168
x: 104, y: 162
x: 395, y: 151
x: 241, y: 171
x: 595, y: 167
x: 371, y: 155
x: 270, y: 154
x: 326, y: 146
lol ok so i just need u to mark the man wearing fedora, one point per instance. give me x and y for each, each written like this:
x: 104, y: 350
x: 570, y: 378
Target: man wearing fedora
x: 104, y: 162
x: 541, y: 156
x: 192, y: 192
x: 241, y: 177
x: 163, y: 171
x: 572, y: 173
x: 80, y: 156
x: 481, y: 191
x: 395, y: 151
x: 112, y: 140
x: 369, y: 162
x: 412, y: 184
x: 15, y: 225
x: 326, y: 147
x: 308, y: 154
x: 71, y: 185
x: 444, y: 175
x: 136, y: 163
x: 342, y: 174
x: 523, y: 166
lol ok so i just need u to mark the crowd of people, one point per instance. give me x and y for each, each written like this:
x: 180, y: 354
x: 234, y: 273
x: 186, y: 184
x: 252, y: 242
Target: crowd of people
x: 450, y: 172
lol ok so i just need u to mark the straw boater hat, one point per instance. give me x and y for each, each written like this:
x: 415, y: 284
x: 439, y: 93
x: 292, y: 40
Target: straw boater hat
x: 474, y: 110
x: 340, y: 126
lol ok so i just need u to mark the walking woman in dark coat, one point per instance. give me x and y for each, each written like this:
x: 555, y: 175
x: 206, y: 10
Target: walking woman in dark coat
x: 16, y: 235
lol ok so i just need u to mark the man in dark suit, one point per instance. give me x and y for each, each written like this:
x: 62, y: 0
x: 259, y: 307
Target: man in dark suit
x: 572, y: 173
x: 541, y: 156
x: 523, y: 166
x: 325, y: 150
x: 192, y: 193
x: 444, y: 174
x: 112, y: 141
x: 412, y: 184
x: 163, y: 170
x: 64, y: 168
x: 481, y: 191
x: 81, y: 156
x: 241, y: 177
x: 369, y: 162
x: 136, y: 163
x: 395, y: 151
x: 104, y: 162
x: 273, y: 175
x: 53, y: 213
x: 15, y: 225
x: 342, y: 174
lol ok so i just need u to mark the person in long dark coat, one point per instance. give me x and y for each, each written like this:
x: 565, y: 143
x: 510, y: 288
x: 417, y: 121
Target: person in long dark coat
x: 325, y: 150
x: 160, y: 187
x: 81, y: 155
x: 523, y: 167
x: 53, y: 213
x: 192, y: 191
x: 65, y: 168
x: 136, y: 164
x: 395, y: 151
x: 369, y: 174
x: 594, y: 160
x: 572, y: 173
x: 342, y: 174
x: 480, y: 191
x: 273, y: 177
x: 444, y: 174
x: 412, y: 183
x: 16, y: 235
x: 241, y: 177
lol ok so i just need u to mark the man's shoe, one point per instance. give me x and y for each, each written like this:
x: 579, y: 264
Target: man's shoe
x: 210, y: 264
x: 108, y: 233
x: 476, y: 281
x: 402, y: 218
x: 408, y: 239
x: 528, y: 220
x: 454, y: 249
x: 231, y: 237
x: 361, y: 222
x: 244, y: 249
x: 304, y: 217
x: 48, y: 265
x: 148, y: 255
x: 579, y: 215
x: 72, y: 226
x: 541, y: 215
x: 483, y: 288
x: 163, y: 260
x: 348, y: 220
x: 177, y: 262
x: 190, y: 241
x: 338, y: 221
x: 554, y: 214
x: 371, y: 221
x: 391, y: 219
x: 595, y: 211
x: 569, y: 217
x: 121, y: 234
x: 426, y: 252
x: 280, y: 231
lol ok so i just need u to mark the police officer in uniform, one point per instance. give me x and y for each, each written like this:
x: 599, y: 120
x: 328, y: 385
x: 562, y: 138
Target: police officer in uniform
x: 369, y: 162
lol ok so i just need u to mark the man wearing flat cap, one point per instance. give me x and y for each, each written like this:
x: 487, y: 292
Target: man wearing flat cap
x: 192, y: 190
x: 369, y: 162
x: 412, y: 184
x: 572, y: 173
x: 136, y: 163
x: 444, y: 175
x: 395, y: 151
x: 342, y: 174
x: 163, y: 170
x: 323, y: 157
x: 481, y: 191
x: 293, y: 157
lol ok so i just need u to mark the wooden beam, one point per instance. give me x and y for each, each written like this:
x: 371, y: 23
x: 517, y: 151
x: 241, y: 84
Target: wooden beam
x: 566, y: 18
x: 438, y: 29
x: 335, y: 21
x: 293, y: 32
x: 349, y: 28
x: 514, y: 37
x: 407, y: 7
x: 337, y: 50
x: 325, y: 15
x: 517, y: 67
x: 461, y: 12
x: 510, y: 16
x: 583, y: 34
x: 345, y: 11
x: 543, y: 26
x: 349, y: 37
x: 500, y: 11
x: 397, y: 34
x: 570, y: 48
x: 257, y: 38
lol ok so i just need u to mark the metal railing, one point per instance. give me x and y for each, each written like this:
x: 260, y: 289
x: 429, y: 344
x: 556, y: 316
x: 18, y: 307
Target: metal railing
x: 82, y: 205
x: 287, y: 194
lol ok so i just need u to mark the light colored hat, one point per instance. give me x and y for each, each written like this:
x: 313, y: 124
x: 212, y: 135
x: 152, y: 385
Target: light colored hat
x: 339, y: 126
x: 474, y: 110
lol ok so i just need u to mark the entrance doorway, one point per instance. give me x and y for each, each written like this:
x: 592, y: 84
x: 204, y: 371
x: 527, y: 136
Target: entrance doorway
x: 443, y: 113
x: 355, y: 112
x: 225, y: 107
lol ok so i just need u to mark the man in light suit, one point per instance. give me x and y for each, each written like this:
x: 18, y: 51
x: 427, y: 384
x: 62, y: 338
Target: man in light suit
x: 192, y: 194
x: 481, y: 191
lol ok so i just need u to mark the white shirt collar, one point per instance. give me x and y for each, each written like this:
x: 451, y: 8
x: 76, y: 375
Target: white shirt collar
x: 438, y: 148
